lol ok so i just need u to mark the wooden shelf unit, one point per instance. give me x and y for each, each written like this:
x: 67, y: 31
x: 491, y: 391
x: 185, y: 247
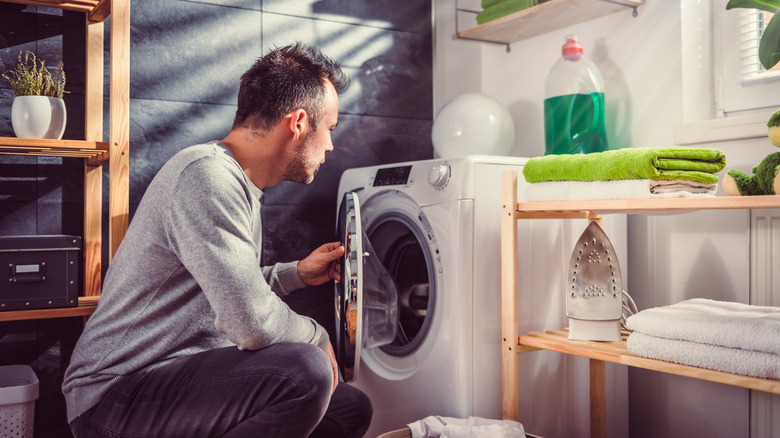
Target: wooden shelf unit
x: 598, y: 352
x: 93, y: 149
x: 542, y: 18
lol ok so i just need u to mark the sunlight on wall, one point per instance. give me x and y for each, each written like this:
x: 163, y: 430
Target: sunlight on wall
x: 352, y: 46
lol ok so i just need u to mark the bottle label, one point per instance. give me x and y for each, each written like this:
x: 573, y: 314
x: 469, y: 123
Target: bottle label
x: 574, y: 123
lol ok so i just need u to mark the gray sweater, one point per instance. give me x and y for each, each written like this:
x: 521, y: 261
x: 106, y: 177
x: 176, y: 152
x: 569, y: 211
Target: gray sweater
x: 186, y: 278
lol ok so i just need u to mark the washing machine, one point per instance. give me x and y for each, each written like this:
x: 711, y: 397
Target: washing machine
x: 418, y: 309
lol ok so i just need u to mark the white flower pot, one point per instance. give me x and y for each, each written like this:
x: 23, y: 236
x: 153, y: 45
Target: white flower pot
x: 38, y: 117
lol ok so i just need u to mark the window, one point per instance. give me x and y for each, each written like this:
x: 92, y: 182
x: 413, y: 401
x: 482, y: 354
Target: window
x: 742, y: 84
x: 720, y: 104
x: 750, y: 27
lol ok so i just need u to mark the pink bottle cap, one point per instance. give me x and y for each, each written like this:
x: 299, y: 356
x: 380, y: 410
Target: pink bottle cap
x: 572, y: 49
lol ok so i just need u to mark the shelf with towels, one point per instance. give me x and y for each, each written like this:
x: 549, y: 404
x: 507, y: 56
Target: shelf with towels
x: 539, y: 19
x: 616, y: 352
x: 597, y: 352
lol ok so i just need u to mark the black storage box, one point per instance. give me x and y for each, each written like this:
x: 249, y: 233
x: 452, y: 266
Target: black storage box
x: 42, y: 271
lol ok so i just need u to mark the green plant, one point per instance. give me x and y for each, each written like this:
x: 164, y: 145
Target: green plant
x: 30, y: 79
x: 769, y: 46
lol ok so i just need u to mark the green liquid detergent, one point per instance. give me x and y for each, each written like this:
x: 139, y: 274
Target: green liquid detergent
x: 574, y: 123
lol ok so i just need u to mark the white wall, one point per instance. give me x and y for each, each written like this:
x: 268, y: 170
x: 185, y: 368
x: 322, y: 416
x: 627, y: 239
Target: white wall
x: 670, y: 258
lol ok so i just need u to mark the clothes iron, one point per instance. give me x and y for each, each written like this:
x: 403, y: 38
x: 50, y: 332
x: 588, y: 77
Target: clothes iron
x: 594, y: 296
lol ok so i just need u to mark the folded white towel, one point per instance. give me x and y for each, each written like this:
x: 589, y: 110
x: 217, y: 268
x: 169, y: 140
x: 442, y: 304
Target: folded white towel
x: 472, y: 427
x: 713, y: 357
x: 726, y: 324
x: 617, y: 189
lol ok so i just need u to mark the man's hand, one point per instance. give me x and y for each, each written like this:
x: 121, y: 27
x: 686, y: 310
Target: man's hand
x: 333, y: 364
x: 321, y: 265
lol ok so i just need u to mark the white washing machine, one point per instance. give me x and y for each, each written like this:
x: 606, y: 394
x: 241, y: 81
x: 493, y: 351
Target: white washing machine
x: 419, y: 307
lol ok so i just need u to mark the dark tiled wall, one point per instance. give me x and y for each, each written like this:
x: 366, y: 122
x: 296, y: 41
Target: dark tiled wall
x: 186, y: 61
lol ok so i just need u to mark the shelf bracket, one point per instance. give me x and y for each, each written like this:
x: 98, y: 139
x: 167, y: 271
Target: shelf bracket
x: 457, y: 29
x: 508, y: 49
x: 615, y: 2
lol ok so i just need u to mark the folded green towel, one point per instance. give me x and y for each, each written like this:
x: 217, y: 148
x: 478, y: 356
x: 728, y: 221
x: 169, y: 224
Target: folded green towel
x: 502, y: 8
x: 693, y: 164
x: 488, y: 3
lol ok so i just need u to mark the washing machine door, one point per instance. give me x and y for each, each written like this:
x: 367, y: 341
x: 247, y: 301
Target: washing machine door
x: 366, y: 296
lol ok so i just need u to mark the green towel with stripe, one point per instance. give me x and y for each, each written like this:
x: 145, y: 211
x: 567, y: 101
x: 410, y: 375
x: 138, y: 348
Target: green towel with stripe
x: 693, y: 164
x: 498, y: 9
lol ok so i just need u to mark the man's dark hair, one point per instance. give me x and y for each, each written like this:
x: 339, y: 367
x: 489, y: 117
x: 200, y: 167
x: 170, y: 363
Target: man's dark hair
x: 285, y: 79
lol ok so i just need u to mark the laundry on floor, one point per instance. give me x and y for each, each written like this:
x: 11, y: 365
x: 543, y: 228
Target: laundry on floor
x: 718, y: 335
x: 630, y: 173
x: 435, y: 426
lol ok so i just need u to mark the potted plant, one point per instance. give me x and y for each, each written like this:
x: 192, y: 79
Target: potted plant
x: 38, y: 110
x: 769, y: 46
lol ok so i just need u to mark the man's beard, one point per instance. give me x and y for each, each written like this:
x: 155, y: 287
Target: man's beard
x: 296, y: 170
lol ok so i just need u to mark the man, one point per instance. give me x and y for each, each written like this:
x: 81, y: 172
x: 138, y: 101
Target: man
x: 191, y: 337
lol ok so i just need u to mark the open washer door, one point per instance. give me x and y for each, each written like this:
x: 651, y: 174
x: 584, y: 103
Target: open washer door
x: 366, y: 298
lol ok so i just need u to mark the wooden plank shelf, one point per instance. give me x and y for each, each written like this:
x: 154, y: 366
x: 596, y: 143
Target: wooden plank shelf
x: 543, y: 18
x: 96, y: 151
x: 575, y: 209
x: 97, y: 10
x: 616, y: 352
x: 86, y: 307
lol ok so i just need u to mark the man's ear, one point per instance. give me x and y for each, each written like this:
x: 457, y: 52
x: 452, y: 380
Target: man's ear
x: 298, y: 123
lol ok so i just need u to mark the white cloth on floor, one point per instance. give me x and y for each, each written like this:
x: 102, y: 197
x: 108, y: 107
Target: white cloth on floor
x: 617, y: 189
x: 436, y: 426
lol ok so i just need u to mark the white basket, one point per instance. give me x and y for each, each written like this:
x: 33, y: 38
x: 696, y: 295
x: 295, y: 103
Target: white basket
x: 18, y: 392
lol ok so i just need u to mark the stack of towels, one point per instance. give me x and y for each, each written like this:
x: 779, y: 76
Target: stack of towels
x: 631, y: 173
x: 493, y: 9
x: 723, y: 336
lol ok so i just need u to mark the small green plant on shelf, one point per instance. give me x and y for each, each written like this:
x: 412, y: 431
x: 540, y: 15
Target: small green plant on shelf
x: 31, y: 77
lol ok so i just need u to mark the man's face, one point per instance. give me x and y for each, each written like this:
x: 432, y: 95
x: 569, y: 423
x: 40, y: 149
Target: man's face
x: 310, y: 152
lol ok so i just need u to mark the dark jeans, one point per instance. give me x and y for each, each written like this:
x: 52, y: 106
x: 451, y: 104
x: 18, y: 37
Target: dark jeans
x: 280, y: 391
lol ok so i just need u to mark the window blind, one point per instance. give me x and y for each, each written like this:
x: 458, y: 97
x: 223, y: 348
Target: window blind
x: 750, y: 26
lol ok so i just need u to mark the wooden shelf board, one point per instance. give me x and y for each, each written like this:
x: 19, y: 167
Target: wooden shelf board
x: 544, y: 18
x: 574, y: 209
x: 86, y: 307
x: 53, y: 148
x: 88, y: 6
x: 616, y: 352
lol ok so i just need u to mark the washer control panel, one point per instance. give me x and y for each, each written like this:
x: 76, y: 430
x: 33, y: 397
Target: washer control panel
x: 439, y: 175
x: 391, y: 176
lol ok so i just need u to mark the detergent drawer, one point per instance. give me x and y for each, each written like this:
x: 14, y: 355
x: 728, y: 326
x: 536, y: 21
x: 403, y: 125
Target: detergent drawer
x: 41, y: 272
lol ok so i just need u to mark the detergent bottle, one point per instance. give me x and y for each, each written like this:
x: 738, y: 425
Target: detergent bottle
x: 574, y: 104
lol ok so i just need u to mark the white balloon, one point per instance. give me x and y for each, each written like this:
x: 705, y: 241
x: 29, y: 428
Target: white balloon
x: 472, y: 124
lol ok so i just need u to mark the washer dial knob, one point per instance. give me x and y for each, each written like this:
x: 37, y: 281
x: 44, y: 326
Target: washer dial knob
x: 439, y: 175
